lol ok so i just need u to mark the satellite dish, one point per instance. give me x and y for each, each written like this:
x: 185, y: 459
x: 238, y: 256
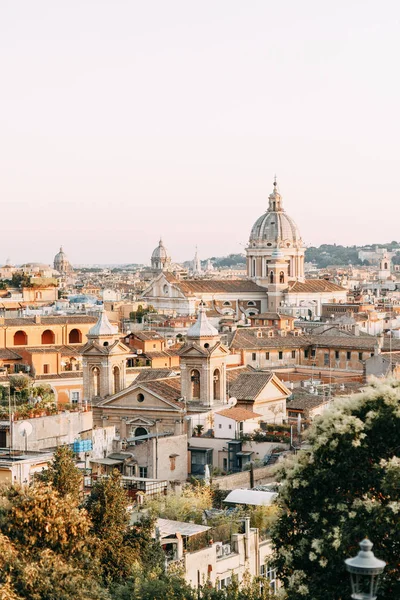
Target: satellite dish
x: 232, y: 401
x: 25, y: 429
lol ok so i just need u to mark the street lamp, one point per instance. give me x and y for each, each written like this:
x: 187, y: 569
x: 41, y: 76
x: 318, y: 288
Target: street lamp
x: 364, y: 572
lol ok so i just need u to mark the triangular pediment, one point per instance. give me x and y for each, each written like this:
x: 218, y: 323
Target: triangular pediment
x: 141, y: 422
x: 131, y: 398
x: 93, y: 349
x: 193, y: 350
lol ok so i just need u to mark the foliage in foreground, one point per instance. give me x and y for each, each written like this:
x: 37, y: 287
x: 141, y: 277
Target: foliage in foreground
x: 345, y: 488
x: 54, y: 548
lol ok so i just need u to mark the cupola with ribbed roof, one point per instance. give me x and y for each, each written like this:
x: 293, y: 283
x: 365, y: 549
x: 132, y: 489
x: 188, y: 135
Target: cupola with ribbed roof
x: 202, y: 328
x: 103, y: 328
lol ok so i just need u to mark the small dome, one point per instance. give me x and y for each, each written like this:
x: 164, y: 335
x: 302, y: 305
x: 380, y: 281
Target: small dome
x: 103, y: 326
x: 160, y: 253
x: 202, y: 328
x: 275, y: 227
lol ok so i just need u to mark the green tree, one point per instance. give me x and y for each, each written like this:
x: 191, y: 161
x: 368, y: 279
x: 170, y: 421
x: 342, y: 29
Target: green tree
x: 19, y: 382
x: 45, y: 547
x: 107, y: 507
x: 63, y: 475
x: 344, y: 488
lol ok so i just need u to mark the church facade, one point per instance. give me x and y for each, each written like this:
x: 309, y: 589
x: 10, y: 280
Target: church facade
x: 275, y: 277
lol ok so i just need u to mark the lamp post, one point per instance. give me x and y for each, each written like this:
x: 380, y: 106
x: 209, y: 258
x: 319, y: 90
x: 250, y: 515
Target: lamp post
x: 365, y: 570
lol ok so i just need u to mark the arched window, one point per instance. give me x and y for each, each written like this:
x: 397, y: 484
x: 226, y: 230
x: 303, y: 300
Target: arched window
x: 20, y: 338
x: 48, y: 337
x: 217, y: 385
x: 116, y: 380
x: 95, y: 382
x: 227, y: 303
x: 138, y: 431
x: 271, y: 277
x: 195, y: 378
x: 281, y: 277
x: 266, y: 268
x: 385, y: 266
x: 251, y: 303
x: 75, y: 336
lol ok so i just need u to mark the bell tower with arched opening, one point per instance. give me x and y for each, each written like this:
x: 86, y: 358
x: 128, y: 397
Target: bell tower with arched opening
x: 203, y: 364
x: 104, y: 361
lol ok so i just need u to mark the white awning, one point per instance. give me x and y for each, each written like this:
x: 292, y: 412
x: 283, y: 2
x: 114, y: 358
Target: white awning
x: 253, y: 497
x: 168, y: 527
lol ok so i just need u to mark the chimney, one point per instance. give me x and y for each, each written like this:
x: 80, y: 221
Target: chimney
x: 38, y: 319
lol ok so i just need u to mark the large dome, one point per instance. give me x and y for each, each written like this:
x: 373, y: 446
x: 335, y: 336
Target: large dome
x: 61, y: 262
x: 160, y: 253
x: 275, y: 228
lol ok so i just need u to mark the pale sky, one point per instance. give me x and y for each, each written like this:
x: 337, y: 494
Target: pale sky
x: 121, y: 120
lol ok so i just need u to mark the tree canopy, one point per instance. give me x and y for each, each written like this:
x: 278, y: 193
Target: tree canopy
x: 345, y: 487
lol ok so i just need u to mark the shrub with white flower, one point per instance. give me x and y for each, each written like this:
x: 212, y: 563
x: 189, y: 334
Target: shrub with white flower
x: 344, y: 487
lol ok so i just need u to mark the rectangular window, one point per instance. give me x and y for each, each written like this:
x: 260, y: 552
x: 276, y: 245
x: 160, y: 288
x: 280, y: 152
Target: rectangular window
x: 225, y: 464
x: 142, y: 471
x: 360, y: 356
x: 267, y: 356
x: 313, y: 353
x: 230, y: 426
x: 326, y: 359
x: 336, y: 354
x: 293, y: 353
x: 46, y: 369
x: 348, y: 355
x: 280, y: 355
x: 253, y: 356
x: 305, y: 353
x: 220, y: 426
x: 74, y: 397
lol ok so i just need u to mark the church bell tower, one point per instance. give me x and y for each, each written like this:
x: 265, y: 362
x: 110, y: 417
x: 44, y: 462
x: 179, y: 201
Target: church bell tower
x: 203, y: 364
x: 104, y: 361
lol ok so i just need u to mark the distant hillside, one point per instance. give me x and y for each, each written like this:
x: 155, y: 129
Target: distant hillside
x: 232, y: 260
x: 328, y: 254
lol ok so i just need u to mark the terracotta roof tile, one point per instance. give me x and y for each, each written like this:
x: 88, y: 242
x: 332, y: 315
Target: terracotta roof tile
x: 193, y: 286
x: 315, y: 286
x: 249, y: 385
x: 238, y: 413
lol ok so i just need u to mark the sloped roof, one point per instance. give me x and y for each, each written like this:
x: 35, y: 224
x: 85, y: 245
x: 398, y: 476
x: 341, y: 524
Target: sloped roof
x: 193, y: 286
x: 6, y: 354
x: 315, y: 286
x: 238, y: 414
x: 170, y: 388
x: 153, y: 374
x: 56, y: 320
x: 147, y: 335
x: 248, y: 338
x: 249, y: 385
